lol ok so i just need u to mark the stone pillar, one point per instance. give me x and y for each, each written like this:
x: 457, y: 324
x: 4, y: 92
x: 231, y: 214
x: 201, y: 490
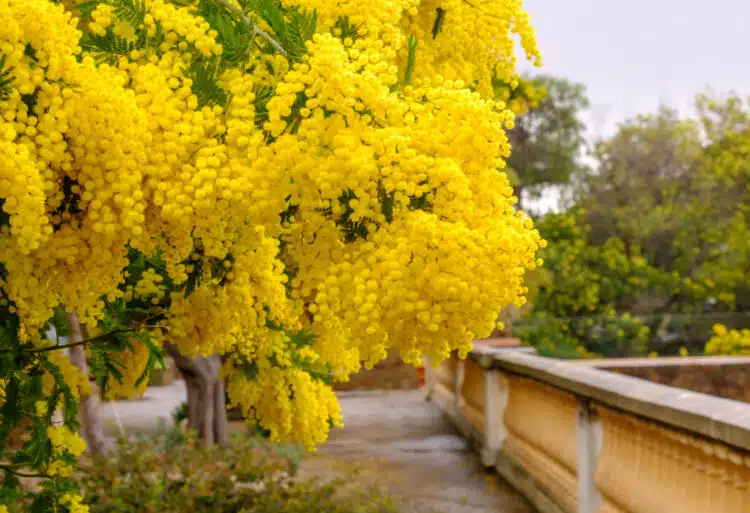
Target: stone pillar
x: 589, y: 449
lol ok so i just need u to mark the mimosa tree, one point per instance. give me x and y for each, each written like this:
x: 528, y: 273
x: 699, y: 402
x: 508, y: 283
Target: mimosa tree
x: 294, y: 185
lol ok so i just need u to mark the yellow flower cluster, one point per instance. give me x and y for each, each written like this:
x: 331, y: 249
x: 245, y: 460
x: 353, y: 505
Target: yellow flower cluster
x: 73, y: 501
x: 285, y: 400
x: 74, y: 378
x: 63, y: 441
x: 76, y: 146
x: 150, y: 287
x: 331, y: 195
x: 467, y: 41
x: 180, y: 25
x: 131, y: 364
x: 102, y: 18
x: 730, y: 342
x: 520, y: 99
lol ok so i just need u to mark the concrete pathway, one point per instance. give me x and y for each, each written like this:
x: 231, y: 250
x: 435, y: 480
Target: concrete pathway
x: 400, y: 442
x: 144, y: 413
x: 393, y: 439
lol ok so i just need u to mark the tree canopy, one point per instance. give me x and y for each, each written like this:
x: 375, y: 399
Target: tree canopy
x: 658, y: 233
x: 547, y: 143
x: 297, y: 186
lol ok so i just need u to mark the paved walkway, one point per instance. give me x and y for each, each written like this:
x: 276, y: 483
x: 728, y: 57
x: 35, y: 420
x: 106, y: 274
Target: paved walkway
x: 396, y: 440
x: 401, y: 442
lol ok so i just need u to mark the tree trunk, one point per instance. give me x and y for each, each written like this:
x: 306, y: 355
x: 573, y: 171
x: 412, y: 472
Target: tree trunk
x: 92, y: 430
x: 207, y: 413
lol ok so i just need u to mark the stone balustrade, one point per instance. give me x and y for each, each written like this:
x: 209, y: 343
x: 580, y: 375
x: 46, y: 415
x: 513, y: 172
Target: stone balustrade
x: 577, y: 439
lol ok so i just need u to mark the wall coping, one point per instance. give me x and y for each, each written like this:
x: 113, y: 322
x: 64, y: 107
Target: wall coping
x: 712, y: 417
x: 663, y: 361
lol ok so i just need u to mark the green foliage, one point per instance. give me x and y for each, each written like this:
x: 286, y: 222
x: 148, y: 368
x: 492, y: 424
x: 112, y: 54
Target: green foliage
x: 6, y: 79
x: 653, y: 191
x: 547, y: 142
x: 291, y: 27
x: 171, y: 472
x: 587, y: 291
x: 583, y: 278
x: 549, y: 338
x: 609, y: 336
x: 660, y: 232
x: 411, y: 59
x: 22, y: 410
x: 439, y: 19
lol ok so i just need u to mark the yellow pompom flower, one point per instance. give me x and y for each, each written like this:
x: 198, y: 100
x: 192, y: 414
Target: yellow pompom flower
x: 74, y: 503
x: 729, y: 342
x: 132, y: 365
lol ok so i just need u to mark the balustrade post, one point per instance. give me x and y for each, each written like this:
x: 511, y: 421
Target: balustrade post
x: 589, y: 449
x: 460, y: 374
x: 495, y: 402
x: 429, y: 377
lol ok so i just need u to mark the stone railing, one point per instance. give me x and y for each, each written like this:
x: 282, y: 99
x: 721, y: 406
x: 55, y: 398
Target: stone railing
x: 722, y: 376
x: 577, y: 439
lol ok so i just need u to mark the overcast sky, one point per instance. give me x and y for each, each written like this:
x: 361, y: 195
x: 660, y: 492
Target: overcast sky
x: 633, y: 55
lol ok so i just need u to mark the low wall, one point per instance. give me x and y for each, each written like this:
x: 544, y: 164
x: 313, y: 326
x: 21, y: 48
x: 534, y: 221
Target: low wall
x: 394, y: 374
x: 390, y: 374
x: 722, y: 376
x: 577, y: 439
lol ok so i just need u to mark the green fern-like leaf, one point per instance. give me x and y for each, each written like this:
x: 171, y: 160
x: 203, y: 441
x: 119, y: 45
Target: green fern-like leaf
x: 263, y: 95
x: 205, y: 83
x: 6, y: 80
x: 346, y: 28
x: 271, y: 12
x: 132, y: 11
x: 439, y: 20
x: 85, y: 9
x: 291, y: 27
x: 299, y: 30
x: 233, y: 33
x: 411, y: 59
x: 107, y: 48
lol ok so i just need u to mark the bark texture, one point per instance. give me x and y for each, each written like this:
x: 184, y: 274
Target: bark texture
x: 207, y: 413
x: 92, y: 429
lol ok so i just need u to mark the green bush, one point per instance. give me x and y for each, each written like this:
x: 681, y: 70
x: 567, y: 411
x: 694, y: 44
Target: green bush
x: 611, y: 336
x: 551, y: 338
x: 170, y: 472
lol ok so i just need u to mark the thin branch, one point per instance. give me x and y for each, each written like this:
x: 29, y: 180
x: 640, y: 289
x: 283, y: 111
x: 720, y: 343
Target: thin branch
x: 97, y: 338
x: 79, y: 343
x: 11, y: 470
x: 256, y: 30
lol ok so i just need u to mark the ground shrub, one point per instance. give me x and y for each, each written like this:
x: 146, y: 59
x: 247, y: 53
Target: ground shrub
x: 170, y: 472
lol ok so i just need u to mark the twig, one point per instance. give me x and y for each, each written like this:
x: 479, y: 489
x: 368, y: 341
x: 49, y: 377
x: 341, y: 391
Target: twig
x: 85, y: 341
x: 256, y: 30
x: 10, y: 469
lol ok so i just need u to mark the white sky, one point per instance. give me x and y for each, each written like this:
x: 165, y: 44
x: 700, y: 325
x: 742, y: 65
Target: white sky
x: 633, y: 55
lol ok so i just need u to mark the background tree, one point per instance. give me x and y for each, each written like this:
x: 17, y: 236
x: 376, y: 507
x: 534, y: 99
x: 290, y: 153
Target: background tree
x: 725, y: 121
x: 548, y: 142
x: 657, y: 235
x: 652, y: 189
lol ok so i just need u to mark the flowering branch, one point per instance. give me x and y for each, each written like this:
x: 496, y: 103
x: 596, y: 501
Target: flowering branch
x: 11, y: 469
x: 256, y: 30
x: 97, y: 338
